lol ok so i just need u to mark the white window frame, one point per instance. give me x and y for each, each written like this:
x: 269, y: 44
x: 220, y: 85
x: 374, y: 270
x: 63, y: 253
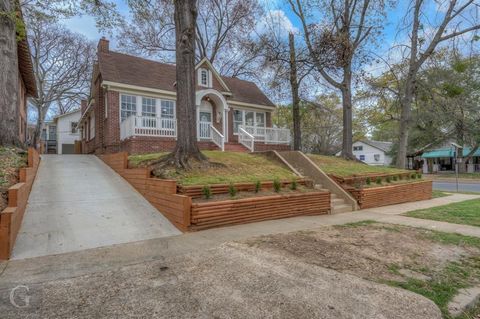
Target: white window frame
x: 153, y: 107
x: 135, y: 99
x: 174, y: 114
x: 208, y: 75
x: 254, y: 118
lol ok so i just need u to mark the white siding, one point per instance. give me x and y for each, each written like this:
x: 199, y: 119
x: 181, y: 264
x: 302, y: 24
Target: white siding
x: 369, y: 153
x: 64, y: 130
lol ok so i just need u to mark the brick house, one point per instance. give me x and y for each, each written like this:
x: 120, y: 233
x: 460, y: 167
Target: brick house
x: 132, y: 108
x: 27, y: 86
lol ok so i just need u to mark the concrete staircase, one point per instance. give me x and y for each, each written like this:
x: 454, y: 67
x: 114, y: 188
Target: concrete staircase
x: 341, y: 200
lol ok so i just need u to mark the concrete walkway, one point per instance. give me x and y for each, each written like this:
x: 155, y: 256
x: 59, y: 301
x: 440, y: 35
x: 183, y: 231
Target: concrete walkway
x: 77, y: 202
x: 105, y: 258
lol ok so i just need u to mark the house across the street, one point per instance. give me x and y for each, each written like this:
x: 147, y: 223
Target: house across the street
x: 132, y: 108
x: 443, y: 160
x: 372, y: 152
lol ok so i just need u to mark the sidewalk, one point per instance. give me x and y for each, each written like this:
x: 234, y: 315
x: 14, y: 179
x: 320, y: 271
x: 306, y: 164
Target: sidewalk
x: 101, y: 259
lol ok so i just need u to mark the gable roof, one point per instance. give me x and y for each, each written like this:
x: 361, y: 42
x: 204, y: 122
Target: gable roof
x: 131, y: 70
x: 210, y: 66
x: 381, y: 145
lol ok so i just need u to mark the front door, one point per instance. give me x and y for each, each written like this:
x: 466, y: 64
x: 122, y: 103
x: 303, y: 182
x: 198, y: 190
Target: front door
x: 205, y: 118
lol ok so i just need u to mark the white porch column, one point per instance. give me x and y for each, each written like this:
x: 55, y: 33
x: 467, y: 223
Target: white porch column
x: 198, y: 122
x: 225, y: 124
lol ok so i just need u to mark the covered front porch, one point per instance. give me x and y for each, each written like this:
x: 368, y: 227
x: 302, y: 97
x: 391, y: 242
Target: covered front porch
x: 212, y: 126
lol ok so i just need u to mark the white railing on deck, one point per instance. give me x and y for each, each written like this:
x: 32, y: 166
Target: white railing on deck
x: 148, y: 126
x: 217, y: 138
x: 204, y: 130
x: 269, y: 135
x: 246, y: 139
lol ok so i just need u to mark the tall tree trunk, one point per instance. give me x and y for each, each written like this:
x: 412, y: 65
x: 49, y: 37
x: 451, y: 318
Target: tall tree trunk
x: 9, y: 74
x: 297, y: 134
x: 347, y: 145
x: 405, y: 118
x: 41, y: 114
x: 185, y: 21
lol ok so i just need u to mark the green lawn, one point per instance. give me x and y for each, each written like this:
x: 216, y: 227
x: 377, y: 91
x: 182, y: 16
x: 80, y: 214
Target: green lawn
x: 344, y: 168
x: 438, y: 194
x: 227, y: 167
x: 467, y: 213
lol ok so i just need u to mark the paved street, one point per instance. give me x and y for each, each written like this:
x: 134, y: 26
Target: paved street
x: 452, y: 187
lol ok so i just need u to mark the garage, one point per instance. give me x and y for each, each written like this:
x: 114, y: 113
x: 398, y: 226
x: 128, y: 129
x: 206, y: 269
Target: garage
x: 68, y: 148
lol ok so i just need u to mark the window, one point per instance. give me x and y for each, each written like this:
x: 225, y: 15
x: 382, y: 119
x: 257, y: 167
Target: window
x: 203, y: 77
x: 128, y: 106
x: 92, y: 127
x: 358, y: 148
x: 362, y: 157
x: 248, y: 118
x: 73, y: 127
x: 376, y: 157
x: 167, y: 109
x: 148, y: 107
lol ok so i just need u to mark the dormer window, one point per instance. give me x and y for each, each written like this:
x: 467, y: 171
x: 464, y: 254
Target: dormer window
x: 204, y: 80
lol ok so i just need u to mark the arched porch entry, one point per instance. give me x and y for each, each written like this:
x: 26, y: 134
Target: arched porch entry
x: 212, y: 110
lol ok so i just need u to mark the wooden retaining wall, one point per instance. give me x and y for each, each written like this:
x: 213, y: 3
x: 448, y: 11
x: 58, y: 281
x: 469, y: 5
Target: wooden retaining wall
x: 228, y: 212
x: 361, y: 179
x: 196, y: 191
x: 185, y: 215
x: 392, y: 194
x: 12, y: 216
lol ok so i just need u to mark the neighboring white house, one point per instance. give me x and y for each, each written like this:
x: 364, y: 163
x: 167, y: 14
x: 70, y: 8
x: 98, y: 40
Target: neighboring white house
x: 372, y: 152
x: 67, y: 132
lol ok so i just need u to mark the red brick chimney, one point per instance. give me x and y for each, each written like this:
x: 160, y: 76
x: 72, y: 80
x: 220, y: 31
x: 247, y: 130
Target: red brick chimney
x: 103, y: 45
x: 83, y: 106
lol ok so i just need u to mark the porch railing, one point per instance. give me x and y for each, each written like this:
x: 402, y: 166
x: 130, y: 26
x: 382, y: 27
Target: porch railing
x: 246, y: 139
x: 269, y: 135
x: 217, y: 138
x: 204, y: 130
x: 148, y: 126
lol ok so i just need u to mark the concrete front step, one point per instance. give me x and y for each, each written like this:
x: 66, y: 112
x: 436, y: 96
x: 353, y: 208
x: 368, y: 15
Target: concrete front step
x: 343, y: 208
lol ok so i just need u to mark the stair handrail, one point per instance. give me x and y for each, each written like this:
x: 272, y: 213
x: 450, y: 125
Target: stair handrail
x: 217, y: 138
x: 246, y: 139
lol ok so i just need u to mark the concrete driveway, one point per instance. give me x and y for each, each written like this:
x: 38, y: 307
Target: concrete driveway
x: 77, y: 202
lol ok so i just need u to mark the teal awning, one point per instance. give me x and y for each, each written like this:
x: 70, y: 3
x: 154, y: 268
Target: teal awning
x: 447, y: 152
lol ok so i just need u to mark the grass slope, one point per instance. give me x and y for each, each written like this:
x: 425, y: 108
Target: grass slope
x: 467, y: 213
x: 235, y: 167
x: 344, y: 168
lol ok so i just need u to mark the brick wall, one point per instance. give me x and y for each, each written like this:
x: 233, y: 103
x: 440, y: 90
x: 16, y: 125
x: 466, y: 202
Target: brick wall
x: 112, y: 123
x: 261, y: 147
x: 149, y: 144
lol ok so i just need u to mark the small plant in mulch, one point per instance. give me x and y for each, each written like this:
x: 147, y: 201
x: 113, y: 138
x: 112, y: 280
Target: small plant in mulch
x: 258, y: 186
x: 232, y: 190
x: 368, y: 181
x: 293, y: 185
x: 419, y: 175
x: 413, y: 176
x: 207, y: 192
x: 277, y: 186
x: 378, y: 180
x: 395, y: 178
x: 388, y: 179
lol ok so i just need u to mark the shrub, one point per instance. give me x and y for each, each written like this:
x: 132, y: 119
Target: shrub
x: 276, y: 185
x: 400, y: 177
x: 395, y: 178
x: 258, y: 186
x: 293, y: 185
x: 388, y: 179
x: 419, y: 175
x: 368, y: 181
x: 207, y: 192
x: 379, y: 180
x: 232, y: 190
x: 413, y: 176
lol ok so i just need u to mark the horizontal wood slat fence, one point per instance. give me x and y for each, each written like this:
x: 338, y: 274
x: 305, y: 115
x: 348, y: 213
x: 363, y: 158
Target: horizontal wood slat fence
x: 361, y: 179
x: 12, y: 216
x: 176, y: 202
x: 392, y: 194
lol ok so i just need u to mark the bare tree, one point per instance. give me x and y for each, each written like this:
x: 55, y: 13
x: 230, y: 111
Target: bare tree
x: 424, y: 39
x: 335, y: 43
x: 297, y: 134
x: 9, y: 66
x: 62, y: 62
x: 223, y: 32
x: 186, y: 146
